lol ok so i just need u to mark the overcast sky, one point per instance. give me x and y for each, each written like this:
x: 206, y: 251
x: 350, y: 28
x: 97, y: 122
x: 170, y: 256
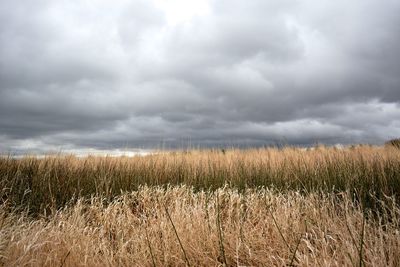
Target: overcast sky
x: 78, y: 74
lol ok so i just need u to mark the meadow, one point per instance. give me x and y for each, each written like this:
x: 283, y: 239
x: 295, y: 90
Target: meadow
x: 219, y: 207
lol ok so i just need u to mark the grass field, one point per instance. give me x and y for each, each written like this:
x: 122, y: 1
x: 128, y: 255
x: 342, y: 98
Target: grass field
x: 255, y: 207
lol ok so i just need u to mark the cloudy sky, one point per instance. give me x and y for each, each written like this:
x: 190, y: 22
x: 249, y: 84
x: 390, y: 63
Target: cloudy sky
x: 100, y: 74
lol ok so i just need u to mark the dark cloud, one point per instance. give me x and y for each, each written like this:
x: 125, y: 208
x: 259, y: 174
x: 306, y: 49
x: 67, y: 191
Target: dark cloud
x: 79, y: 74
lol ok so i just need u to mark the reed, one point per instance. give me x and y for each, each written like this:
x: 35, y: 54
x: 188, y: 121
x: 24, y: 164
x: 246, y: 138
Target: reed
x: 366, y: 173
x: 271, y: 207
x: 92, y: 232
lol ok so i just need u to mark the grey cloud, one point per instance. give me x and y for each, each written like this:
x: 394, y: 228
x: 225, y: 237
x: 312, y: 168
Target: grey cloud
x: 109, y: 75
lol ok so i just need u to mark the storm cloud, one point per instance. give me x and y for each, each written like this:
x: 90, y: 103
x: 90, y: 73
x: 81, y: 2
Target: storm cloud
x: 116, y: 74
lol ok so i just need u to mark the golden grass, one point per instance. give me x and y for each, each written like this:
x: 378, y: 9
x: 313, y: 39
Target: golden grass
x: 260, y: 228
x: 48, y: 184
x: 259, y: 207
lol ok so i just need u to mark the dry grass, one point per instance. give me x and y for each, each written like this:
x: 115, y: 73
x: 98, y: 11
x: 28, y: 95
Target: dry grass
x: 260, y: 228
x: 48, y: 184
x: 261, y: 207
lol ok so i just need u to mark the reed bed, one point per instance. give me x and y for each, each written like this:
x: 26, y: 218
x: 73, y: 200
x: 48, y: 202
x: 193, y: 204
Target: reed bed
x: 257, y: 207
x: 178, y: 226
x: 48, y: 184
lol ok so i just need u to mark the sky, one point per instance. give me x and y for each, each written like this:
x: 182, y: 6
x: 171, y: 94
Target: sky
x: 99, y: 74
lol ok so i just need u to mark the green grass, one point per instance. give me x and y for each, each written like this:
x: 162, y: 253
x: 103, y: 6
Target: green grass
x: 368, y: 174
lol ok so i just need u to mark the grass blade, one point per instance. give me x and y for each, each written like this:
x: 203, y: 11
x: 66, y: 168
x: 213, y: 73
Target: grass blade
x: 176, y: 234
x: 220, y: 235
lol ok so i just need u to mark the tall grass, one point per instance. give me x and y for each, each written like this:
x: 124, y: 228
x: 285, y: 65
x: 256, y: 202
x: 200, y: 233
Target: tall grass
x: 256, y: 207
x: 95, y: 232
x: 366, y: 173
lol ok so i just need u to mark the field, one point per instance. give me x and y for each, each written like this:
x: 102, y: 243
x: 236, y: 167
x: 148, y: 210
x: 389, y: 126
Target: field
x: 255, y: 207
